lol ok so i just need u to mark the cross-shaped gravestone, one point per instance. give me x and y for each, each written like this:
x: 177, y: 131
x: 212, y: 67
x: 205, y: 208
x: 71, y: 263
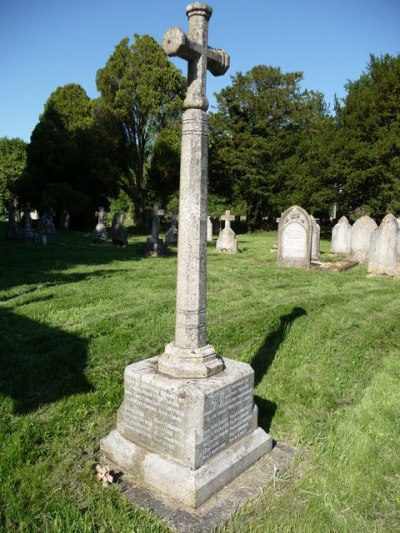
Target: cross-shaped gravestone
x: 227, y: 217
x: 101, y: 215
x: 189, y: 355
x: 155, y: 225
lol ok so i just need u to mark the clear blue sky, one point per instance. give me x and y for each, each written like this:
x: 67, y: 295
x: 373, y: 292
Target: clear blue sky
x: 45, y: 44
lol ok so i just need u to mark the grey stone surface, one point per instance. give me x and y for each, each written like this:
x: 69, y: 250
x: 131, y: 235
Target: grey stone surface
x: 188, y: 422
x: 294, y: 238
x: 384, y: 248
x: 190, y: 325
x: 64, y: 222
x: 341, y: 232
x: 13, y: 220
x: 155, y: 247
x: 220, y: 508
x: 315, y: 239
x: 119, y: 234
x: 171, y: 237
x: 47, y: 228
x: 100, y: 234
x: 226, y: 241
x: 360, y: 238
x: 209, y: 229
x: 186, y: 438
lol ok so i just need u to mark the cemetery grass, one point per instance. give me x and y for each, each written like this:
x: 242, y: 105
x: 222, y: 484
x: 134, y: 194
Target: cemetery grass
x: 325, y: 350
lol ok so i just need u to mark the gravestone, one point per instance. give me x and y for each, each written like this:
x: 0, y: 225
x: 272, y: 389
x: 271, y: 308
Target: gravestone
x: 171, y: 237
x: 294, y: 238
x: 315, y: 239
x: 46, y: 226
x: 360, y: 237
x: 209, y: 229
x: 13, y: 219
x: 155, y: 246
x: 341, y: 233
x: 188, y: 423
x: 226, y: 241
x: 64, y: 222
x: 119, y: 235
x: 26, y: 232
x: 100, y: 234
x: 383, y: 252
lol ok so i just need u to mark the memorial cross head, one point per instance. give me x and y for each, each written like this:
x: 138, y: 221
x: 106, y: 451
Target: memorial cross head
x: 194, y: 49
x: 227, y: 218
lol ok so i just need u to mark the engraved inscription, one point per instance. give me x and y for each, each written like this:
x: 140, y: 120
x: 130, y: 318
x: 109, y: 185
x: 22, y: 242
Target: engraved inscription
x: 294, y: 241
x: 154, y: 416
x: 227, y: 416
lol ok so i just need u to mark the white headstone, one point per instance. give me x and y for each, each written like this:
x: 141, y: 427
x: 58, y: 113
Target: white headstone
x: 341, y: 237
x: 294, y: 238
x: 315, y: 238
x: 383, y: 255
x: 226, y: 241
x: 360, y: 238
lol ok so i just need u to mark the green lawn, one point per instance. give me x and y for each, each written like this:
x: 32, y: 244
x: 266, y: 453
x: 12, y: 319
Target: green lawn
x: 325, y: 348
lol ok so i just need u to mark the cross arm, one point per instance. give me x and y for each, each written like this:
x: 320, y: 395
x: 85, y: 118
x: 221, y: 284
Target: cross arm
x: 176, y: 43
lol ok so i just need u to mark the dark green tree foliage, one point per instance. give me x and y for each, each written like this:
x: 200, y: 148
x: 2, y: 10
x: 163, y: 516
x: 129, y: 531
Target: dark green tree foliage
x: 164, y: 169
x: 258, y: 136
x: 367, y: 161
x: 12, y: 167
x: 145, y: 91
x: 68, y: 159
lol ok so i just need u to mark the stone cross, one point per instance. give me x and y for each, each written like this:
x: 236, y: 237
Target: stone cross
x: 155, y: 225
x: 227, y: 217
x: 189, y: 355
x: 101, y: 215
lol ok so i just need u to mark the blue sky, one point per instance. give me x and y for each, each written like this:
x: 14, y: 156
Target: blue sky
x: 48, y: 43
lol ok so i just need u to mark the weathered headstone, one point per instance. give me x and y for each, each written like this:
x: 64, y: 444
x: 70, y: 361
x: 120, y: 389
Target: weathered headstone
x: 100, y: 234
x: 46, y: 226
x: 294, y: 238
x: 209, y: 229
x: 360, y: 238
x: 13, y: 219
x: 188, y: 423
x: 315, y: 238
x: 341, y: 232
x: 64, y: 222
x: 119, y: 235
x: 383, y: 252
x: 171, y: 237
x: 155, y: 246
x: 226, y: 241
x: 26, y: 232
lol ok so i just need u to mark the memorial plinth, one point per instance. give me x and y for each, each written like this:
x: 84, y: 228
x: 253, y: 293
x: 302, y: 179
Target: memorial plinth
x: 186, y: 438
x: 188, y: 423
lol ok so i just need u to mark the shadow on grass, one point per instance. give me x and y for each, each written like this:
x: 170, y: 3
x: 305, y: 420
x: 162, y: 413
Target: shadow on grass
x: 264, y: 358
x: 39, y: 364
x: 24, y: 263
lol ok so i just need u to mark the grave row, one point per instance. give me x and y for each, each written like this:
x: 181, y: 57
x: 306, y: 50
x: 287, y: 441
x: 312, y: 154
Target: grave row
x: 365, y: 242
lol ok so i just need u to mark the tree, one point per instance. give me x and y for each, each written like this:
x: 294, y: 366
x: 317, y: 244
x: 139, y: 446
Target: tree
x: 12, y: 167
x: 367, y: 159
x: 68, y: 156
x: 256, y: 134
x: 145, y: 91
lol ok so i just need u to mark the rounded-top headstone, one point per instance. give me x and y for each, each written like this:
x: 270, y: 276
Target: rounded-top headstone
x: 341, y: 237
x: 361, y: 232
x: 383, y: 247
x: 294, y: 238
